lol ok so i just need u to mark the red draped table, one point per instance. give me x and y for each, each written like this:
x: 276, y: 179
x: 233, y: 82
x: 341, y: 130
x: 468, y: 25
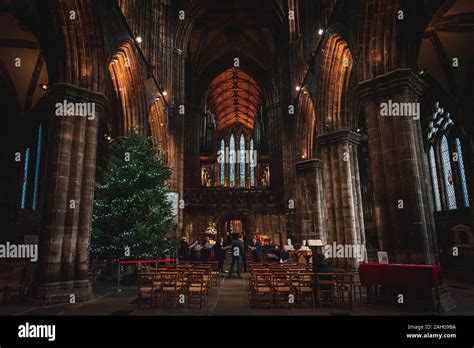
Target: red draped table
x: 400, y: 276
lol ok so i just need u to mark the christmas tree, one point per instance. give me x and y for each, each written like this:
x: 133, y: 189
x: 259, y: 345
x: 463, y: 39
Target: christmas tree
x: 132, y: 213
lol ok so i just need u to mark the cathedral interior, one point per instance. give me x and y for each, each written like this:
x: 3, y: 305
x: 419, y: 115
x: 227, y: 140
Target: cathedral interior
x: 333, y: 122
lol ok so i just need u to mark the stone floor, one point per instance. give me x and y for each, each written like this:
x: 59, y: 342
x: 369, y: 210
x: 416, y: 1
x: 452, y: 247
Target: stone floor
x: 230, y: 298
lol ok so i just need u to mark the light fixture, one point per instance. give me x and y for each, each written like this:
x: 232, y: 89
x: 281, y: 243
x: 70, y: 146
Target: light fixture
x: 320, y: 31
x: 298, y: 88
x: 138, y: 39
x: 165, y: 93
x: 43, y: 86
x: 161, y: 124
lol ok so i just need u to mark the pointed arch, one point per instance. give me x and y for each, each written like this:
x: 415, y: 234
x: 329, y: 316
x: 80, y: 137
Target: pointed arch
x: 335, y: 78
x: 129, y: 90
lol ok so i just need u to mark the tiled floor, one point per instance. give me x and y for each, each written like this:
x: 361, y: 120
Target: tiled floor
x: 230, y: 298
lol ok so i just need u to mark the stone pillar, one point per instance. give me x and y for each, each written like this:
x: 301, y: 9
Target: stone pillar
x: 401, y: 180
x: 345, y: 224
x: 310, y: 205
x: 68, y: 198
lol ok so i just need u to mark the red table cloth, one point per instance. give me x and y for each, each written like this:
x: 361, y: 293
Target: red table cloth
x: 400, y: 275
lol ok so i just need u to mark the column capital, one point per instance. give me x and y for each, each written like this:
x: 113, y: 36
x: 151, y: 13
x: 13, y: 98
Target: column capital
x: 344, y: 135
x: 74, y: 93
x: 400, y: 81
x: 311, y: 164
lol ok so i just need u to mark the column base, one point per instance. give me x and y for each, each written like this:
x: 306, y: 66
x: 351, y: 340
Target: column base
x: 57, y: 293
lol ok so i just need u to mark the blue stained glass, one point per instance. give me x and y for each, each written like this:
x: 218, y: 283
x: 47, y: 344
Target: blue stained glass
x: 242, y: 160
x: 37, y: 167
x: 434, y: 179
x: 462, y: 174
x: 25, y: 178
x: 252, y: 165
x: 448, y: 174
x: 232, y: 161
x: 222, y: 164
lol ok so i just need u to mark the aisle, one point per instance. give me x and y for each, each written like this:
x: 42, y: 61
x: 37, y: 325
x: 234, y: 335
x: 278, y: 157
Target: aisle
x: 233, y: 297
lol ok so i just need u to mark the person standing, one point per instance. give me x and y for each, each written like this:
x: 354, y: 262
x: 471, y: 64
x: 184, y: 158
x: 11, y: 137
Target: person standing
x: 237, y: 251
x: 256, y: 248
x: 206, y: 250
x: 183, y: 251
x: 219, y: 252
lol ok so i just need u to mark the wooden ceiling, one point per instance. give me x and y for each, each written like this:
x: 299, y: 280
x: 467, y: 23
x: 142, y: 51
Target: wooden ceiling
x: 235, y: 98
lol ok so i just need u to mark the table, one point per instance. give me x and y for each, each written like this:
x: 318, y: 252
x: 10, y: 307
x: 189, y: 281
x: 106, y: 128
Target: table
x: 401, y: 276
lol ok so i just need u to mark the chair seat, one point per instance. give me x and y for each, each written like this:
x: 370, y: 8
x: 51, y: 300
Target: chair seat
x: 196, y: 289
x: 264, y: 289
x: 282, y: 288
x: 146, y: 289
x: 305, y: 289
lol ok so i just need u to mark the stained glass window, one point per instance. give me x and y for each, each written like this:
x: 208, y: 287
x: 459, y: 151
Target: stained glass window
x: 448, y: 174
x: 37, y: 167
x: 232, y: 161
x: 222, y: 164
x: 462, y: 174
x: 242, y: 160
x: 252, y: 165
x: 25, y: 178
x: 434, y: 179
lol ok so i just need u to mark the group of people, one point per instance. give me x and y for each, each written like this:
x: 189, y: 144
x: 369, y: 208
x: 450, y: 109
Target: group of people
x: 204, y: 251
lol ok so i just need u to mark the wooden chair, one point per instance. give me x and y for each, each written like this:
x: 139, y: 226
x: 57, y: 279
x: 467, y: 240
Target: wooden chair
x: 305, y: 288
x: 282, y: 288
x: 325, y: 289
x: 170, y: 287
x: 344, y: 288
x: 207, y: 276
x: 195, y: 290
x: 145, y: 286
x: 263, y: 289
x: 358, y: 288
x: 215, y: 274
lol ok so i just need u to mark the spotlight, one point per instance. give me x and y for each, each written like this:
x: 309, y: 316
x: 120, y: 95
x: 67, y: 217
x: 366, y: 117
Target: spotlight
x: 165, y: 93
x: 138, y: 39
x: 43, y: 86
x: 320, y: 31
x: 298, y: 88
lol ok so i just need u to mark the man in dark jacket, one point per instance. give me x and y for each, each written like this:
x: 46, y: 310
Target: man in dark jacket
x: 237, y: 251
x: 256, y: 248
x: 219, y: 252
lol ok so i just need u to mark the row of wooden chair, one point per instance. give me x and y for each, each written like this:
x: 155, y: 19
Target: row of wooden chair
x: 278, y: 288
x: 339, y: 288
x: 183, y: 284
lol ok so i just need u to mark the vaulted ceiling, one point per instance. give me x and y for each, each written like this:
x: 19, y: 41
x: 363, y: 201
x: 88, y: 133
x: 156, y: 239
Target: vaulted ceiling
x: 235, y: 98
x: 244, y: 28
x: 450, y: 35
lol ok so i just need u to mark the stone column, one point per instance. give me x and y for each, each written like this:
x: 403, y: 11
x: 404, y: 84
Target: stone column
x: 345, y: 224
x: 402, y: 193
x: 68, y: 194
x: 310, y: 205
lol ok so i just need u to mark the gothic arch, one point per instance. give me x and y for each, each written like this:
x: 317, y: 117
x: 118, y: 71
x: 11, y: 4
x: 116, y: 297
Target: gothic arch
x: 159, y: 129
x: 306, y: 128
x: 334, y: 82
x: 128, y: 86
